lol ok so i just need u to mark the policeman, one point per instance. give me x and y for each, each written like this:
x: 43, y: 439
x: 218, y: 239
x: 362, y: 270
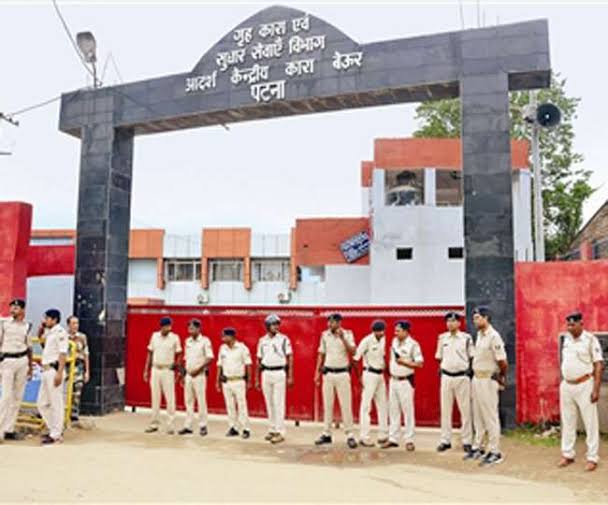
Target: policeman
x: 50, y: 396
x: 275, y: 365
x: 15, y: 366
x: 81, y: 372
x: 234, y: 377
x: 197, y: 357
x: 582, y: 364
x: 335, y: 350
x: 405, y: 358
x: 371, y: 351
x: 454, y: 353
x: 164, y: 351
x: 489, y: 376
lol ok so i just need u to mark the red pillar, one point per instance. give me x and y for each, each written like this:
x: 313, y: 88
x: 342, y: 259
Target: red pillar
x: 15, y: 230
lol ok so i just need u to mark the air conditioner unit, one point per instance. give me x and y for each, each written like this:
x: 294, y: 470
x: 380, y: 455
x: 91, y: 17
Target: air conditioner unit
x: 284, y: 297
x: 203, y: 298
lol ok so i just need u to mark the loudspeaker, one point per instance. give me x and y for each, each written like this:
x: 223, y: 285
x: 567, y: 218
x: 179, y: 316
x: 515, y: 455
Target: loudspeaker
x: 548, y: 115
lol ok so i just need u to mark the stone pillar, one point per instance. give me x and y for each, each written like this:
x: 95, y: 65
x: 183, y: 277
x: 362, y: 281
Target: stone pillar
x: 488, y: 225
x: 100, y: 297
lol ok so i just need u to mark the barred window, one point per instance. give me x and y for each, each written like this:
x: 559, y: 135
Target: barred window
x: 270, y: 270
x: 178, y: 270
x: 226, y: 270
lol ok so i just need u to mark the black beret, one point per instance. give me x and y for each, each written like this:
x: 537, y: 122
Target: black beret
x: 378, y: 326
x: 19, y: 302
x: 164, y: 321
x: 482, y: 310
x: 335, y: 317
x: 53, y: 314
x: 230, y: 332
x: 195, y: 322
x: 574, y: 317
x: 452, y: 315
x: 404, y: 325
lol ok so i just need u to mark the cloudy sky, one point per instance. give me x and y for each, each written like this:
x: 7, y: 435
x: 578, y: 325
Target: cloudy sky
x: 259, y: 174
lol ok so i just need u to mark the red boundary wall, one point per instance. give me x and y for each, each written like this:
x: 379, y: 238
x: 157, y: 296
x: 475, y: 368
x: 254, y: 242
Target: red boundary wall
x: 304, y: 326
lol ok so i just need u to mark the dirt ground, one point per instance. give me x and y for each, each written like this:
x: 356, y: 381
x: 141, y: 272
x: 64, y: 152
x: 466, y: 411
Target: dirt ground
x: 113, y: 460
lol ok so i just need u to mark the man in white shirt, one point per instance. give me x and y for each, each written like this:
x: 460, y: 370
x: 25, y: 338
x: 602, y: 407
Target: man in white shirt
x: 15, y: 366
x: 50, y: 396
x: 582, y: 366
x: 197, y: 357
x: 405, y: 358
x: 275, y: 365
x: 164, y: 351
x: 234, y: 378
x: 371, y: 352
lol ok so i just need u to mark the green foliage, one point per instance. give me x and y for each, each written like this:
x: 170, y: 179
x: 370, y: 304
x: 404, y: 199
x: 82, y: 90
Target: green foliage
x: 565, y: 182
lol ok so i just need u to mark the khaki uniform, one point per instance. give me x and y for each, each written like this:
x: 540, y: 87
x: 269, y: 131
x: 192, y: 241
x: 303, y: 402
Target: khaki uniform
x: 14, y: 339
x: 233, y: 361
x: 454, y: 352
x: 162, y: 379
x: 336, y: 381
x: 51, y: 404
x: 273, y: 352
x: 198, y: 351
x: 488, y: 351
x: 82, y: 352
x: 372, y: 352
x: 401, y: 392
x: 578, y: 356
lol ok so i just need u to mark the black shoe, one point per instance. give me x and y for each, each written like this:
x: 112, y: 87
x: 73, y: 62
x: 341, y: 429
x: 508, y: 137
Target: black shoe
x: 492, y: 458
x: 203, y: 431
x: 467, y: 448
x: 474, y: 454
x: 151, y: 429
x: 232, y: 432
x: 352, y: 443
x: 11, y: 435
x: 185, y: 431
x: 389, y: 444
x: 246, y: 434
x: 443, y: 447
x: 323, y: 439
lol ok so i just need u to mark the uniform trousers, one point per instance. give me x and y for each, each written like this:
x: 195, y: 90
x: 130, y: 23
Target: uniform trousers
x: 162, y: 382
x: 485, y: 413
x: 14, y: 377
x: 51, y: 403
x: 459, y: 389
x: 401, y: 402
x: 195, y: 390
x: 273, y: 387
x: 235, y: 397
x: 374, y: 389
x: 337, y: 384
x: 574, y: 398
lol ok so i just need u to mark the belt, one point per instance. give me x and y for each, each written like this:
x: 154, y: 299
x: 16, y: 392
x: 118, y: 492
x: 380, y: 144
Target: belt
x: 483, y: 374
x: 327, y: 369
x: 580, y: 379
x: 14, y: 354
x: 235, y: 378
x: 163, y: 367
x: 400, y: 377
x: 373, y: 370
x: 48, y: 366
x: 272, y: 368
x: 454, y: 374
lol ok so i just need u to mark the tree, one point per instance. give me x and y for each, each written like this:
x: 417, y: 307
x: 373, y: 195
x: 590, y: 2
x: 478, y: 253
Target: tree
x: 565, y: 182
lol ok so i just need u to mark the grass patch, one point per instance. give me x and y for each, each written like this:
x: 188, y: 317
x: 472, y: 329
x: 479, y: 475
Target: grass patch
x: 533, y: 435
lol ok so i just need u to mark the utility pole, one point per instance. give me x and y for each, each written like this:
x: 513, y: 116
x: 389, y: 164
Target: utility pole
x: 539, y: 233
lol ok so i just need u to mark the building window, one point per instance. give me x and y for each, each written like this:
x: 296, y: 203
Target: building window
x: 226, y: 270
x: 448, y: 188
x: 312, y: 275
x: 455, y: 253
x: 178, y: 270
x: 405, y: 253
x: 405, y: 187
x: 270, y: 270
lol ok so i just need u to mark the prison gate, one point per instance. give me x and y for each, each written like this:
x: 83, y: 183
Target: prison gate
x: 303, y: 325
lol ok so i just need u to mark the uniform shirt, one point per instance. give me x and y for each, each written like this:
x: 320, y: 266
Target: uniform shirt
x: 14, y: 335
x: 408, y: 349
x: 198, y: 350
x: 454, y: 351
x: 336, y: 354
x: 273, y: 350
x: 579, y: 354
x: 371, y: 350
x: 489, y: 350
x: 82, y: 345
x: 164, y: 348
x: 55, y: 343
x: 234, y: 359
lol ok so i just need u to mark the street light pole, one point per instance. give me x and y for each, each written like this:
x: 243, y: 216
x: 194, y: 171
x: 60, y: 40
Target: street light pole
x: 539, y: 234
